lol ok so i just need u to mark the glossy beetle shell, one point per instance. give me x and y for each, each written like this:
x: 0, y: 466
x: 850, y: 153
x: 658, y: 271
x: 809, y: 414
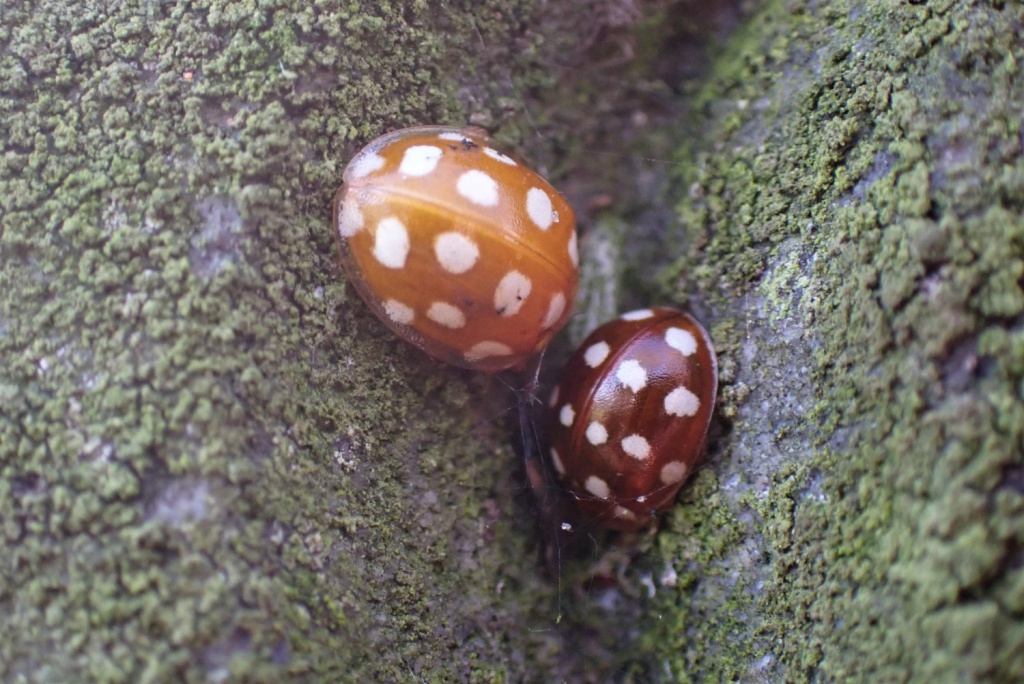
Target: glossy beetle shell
x: 461, y: 250
x: 628, y: 420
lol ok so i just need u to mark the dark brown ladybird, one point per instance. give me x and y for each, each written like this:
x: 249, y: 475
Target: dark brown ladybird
x: 628, y: 420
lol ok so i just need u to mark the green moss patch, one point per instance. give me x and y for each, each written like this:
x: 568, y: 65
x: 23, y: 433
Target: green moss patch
x: 858, y: 196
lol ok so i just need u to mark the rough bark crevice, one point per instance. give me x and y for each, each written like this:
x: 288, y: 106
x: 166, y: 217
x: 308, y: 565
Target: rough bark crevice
x: 216, y: 465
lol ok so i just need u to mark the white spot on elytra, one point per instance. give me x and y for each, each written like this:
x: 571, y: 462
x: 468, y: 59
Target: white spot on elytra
x: 420, y: 160
x: 597, y: 434
x: 391, y: 243
x: 681, y: 340
x: 398, y: 312
x: 637, y: 447
x: 511, y: 293
x: 596, y: 486
x: 596, y: 354
x: 554, y: 397
x: 681, y: 402
x: 365, y: 164
x: 574, y: 250
x: 486, y: 349
x: 557, y: 462
x: 451, y: 135
x: 538, y: 206
x: 632, y: 375
x: 478, y: 188
x: 455, y: 252
x: 623, y: 512
x: 495, y: 154
x: 673, y: 472
x: 566, y: 415
x: 350, y: 219
x: 638, y: 315
x: 446, y: 314
x: 555, y: 310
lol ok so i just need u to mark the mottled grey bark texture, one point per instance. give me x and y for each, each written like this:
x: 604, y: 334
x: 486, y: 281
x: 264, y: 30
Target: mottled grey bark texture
x: 215, y: 465
x: 856, y: 190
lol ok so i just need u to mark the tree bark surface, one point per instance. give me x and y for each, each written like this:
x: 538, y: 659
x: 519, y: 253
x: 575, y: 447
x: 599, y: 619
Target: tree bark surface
x: 216, y: 465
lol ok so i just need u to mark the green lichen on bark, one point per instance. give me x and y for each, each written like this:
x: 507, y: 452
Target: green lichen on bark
x: 858, y: 190
x: 214, y: 463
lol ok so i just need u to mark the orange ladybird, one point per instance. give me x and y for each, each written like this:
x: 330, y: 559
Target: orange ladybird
x: 460, y: 249
x: 628, y: 420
